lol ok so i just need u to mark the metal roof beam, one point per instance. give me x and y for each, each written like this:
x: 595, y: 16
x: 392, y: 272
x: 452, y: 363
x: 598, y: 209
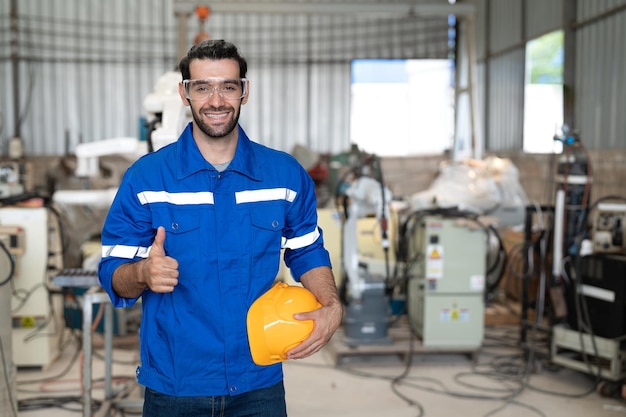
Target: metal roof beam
x: 345, y: 8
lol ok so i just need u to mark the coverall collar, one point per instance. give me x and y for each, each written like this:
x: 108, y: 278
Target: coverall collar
x: 190, y: 160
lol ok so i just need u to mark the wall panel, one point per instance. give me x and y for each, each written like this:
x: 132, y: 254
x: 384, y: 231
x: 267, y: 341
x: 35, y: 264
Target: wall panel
x: 600, y: 67
x: 542, y: 16
x: 505, y: 29
x: 506, y: 99
x: 600, y: 89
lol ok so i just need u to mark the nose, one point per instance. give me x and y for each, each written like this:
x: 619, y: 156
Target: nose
x: 215, y: 95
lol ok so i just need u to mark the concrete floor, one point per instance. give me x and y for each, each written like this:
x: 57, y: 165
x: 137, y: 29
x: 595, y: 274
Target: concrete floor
x: 436, y: 384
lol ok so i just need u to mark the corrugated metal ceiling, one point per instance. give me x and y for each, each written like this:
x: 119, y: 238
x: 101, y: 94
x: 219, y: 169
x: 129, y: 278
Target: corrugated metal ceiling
x: 84, y: 66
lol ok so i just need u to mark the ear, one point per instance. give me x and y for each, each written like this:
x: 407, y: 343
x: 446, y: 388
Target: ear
x: 181, y: 91
x: 245, y: 99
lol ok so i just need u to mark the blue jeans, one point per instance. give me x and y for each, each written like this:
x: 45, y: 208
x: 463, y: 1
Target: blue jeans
x: 265, y: 402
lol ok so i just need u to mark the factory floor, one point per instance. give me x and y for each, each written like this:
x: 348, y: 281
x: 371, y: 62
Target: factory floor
x: 491, y: 381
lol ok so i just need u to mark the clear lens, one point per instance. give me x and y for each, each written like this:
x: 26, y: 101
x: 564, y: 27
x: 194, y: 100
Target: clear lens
x: 228, y: 89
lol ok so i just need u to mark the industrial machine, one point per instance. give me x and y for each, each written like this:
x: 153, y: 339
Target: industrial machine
x: 34, y: 234
x: 600, y: 277
x: 432, y: 263
x: 589, y: 260
x: 593, y: 340
x: 572, y: 197
x: 367, y: 302
x: 601, y: 308
x: 446, y: 288
x: 597, y: 289
x: 166, y: 114
x: 166, y: 118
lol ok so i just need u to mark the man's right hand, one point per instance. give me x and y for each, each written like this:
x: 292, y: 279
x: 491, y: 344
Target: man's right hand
x: 160, y: 272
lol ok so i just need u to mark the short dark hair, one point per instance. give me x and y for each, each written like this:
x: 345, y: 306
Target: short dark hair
x: 213, y: 50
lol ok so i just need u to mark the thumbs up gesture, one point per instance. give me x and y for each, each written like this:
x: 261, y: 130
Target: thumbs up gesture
x: 160, y: 272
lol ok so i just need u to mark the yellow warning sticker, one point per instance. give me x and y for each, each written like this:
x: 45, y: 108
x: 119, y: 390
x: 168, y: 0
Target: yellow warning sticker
x: 28, y: 321
x: 454, y: 314
x: 434, y: 262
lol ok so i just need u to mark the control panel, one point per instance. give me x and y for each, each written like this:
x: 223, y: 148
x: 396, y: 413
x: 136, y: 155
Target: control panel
x: 12, y: 238
x: 609, y: 228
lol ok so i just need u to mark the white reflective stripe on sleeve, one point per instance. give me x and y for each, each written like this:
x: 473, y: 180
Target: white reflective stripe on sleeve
x: 148, y: 197
x: 301, y: 241
x: 123, y: 251
x: 143, y: 252
x: 268, y: 194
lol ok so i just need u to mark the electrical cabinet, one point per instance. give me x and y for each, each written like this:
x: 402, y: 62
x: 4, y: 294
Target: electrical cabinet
x: 36, y: 315
x: 602, y: 291
x: 447, y: 280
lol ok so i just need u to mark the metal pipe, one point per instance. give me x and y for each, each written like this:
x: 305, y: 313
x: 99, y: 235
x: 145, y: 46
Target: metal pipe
x: 182, y: 34
x: 89, y: 299
x: 559, y: 218
x: 341, y: 7
x: 87, y: 320
x: 108, y: 350
x: 479, y: 136
x: 569, y: 63
x: 15, y: 66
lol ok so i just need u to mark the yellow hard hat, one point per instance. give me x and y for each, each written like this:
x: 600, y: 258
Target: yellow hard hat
x: 272, y: 330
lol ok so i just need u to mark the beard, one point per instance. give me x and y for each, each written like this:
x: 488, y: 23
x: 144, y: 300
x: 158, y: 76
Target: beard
x: 217, y: 132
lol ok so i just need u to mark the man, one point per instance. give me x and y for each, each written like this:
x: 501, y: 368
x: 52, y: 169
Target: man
x: 196, y: 230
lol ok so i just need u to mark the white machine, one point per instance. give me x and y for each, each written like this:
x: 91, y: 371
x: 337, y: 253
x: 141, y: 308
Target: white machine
x: 166, y: 118
x: 367, y: 311
x: 35, y: 316
x: 447, y: 281
x: 88, y: 154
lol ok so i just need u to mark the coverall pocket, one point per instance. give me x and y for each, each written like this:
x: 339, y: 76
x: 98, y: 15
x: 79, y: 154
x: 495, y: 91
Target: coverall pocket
x: 266, y: 238
x: 181, y: 230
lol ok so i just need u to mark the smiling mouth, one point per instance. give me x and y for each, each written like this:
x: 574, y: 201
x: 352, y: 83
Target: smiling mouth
x: 216, y: 116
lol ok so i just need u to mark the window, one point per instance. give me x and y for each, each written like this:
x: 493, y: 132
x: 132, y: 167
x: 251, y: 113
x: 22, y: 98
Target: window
x: 543, y: 93
x: 402, y: 107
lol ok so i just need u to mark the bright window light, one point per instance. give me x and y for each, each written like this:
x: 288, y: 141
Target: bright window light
x: 543, y: 93
x: 402, y: 107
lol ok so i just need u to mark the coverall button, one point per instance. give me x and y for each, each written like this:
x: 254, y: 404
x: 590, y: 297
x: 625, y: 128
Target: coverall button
x: 233, y: 388
x: 275, y: 224
x: 174, y: 226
